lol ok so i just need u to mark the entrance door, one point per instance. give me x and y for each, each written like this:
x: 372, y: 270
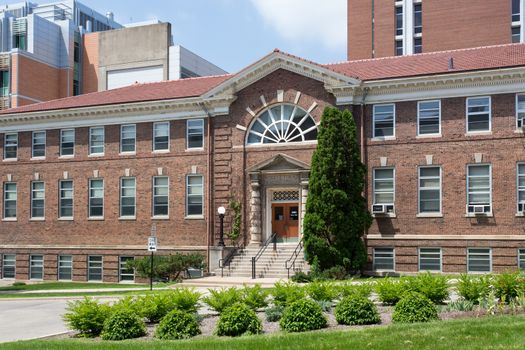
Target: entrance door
x: 285, y: 221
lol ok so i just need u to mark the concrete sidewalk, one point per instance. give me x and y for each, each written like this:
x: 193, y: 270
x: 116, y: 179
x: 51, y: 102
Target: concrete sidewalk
x: 217, y: 282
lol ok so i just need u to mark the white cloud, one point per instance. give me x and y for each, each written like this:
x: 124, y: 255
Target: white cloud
x: 321, y: 22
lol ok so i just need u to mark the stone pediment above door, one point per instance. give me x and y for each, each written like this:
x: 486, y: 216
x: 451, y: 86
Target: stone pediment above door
x: 278, y: 163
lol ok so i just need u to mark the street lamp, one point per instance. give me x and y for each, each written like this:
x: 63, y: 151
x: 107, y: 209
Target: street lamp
x: 221, y: 211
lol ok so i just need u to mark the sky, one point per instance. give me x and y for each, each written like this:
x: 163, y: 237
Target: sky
x: 235, y: 33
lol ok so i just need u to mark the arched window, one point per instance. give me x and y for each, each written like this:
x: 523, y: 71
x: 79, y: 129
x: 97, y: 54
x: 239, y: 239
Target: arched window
x: 283, y: 123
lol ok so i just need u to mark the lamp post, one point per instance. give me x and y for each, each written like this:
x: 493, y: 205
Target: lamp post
x: 221, y: 211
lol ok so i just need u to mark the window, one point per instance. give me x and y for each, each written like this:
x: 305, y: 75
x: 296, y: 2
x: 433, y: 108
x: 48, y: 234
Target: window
x: 521, y: 187
x: 384, y: 120
x: 125, y: 274
x: 127, y: 196
x: 39, y: 144
x: 516, y: 34
x: 96, y: 140
x: 479, y: 260
x: 66, y: 199
x: 36, y: 267
x: 161, y: 136
x: 95, y: 267
x: 430, y: 259
x: 194, y: 195
x: 37, y: 199
x: 96, y: 198
x: 478, y: 114
x: 399, y: 20
x: 65, y: 267
x: 160, y: 196
x: 67, y: 142
x: 418, y: 45
x: 429, y: 118
x: 128, y: 138
x: 384, y: 259
x: 521, y: 259
x: 9, y: 266
x: 516, y: 13
x: 384, y: 192
x: 10, y: 198
x: 10, y: 146
x: 429, y: 190
x: 284, y: 123
x: 479, y: 189
x: 399, y: 47
x: 418, y: 19
x: 195, y: 133
x: 520, y: 111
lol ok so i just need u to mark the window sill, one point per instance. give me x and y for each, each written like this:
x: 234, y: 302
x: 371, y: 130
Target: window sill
x: 37, y: 158
x: 478, y: 133
x: 429, y: 215
x: 387, y: 215
x: 65, y: 219
x: 200, y: 149
x: 96, y: 218
x: 37, y: 219
x: 10, y: 160
x: 428, y: 136
x: 127, y: 218
x: 194, y: 217
x: 486, y: 215
x: 520, y: 215
x: 387, y: 138
x: 160, y: 218
x: 161, y: 151
x: 518, y: 131
x: 127, y: 153
x: 66, y: 157
x: 10, y: 220
x: 95, y: 155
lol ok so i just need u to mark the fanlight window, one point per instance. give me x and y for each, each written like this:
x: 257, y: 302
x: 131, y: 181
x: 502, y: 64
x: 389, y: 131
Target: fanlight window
x: 283, y: 124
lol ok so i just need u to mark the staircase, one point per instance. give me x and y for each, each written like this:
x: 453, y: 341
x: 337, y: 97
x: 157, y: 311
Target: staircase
x: 271, y: 264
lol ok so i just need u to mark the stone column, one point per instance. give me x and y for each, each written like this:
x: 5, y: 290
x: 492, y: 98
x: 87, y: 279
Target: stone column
x: 304, y: 196
x: 255, y: 211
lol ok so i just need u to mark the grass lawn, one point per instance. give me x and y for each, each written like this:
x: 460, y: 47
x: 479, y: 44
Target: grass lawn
x: 501, y: 332
x: 45, y: 286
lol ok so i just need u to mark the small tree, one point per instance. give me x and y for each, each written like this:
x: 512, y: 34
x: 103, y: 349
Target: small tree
x: 235, y: 231
x: 336, y: 214
x: 166, y: 267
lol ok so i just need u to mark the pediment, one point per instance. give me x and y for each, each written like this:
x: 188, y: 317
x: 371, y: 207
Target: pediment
x: 280, y: 162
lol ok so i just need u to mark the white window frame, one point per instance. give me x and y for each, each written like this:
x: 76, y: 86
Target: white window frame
x: 91, y: 146
x: 188, y: 134
x: 393, y: 184
x: 62, y: 155
x: 4, y: 216
x: 155, y: 136
x: 477, y: 113
x: 4, y: 260
x: 121, y: 268
x: 490, y: 187
x: 33, y: 199
x: 188, y: 196
x: 89, y: 262
x: 419, y: 118
x: 31, y: 260
x: 61, y: 197
x: 90, y: 188
x: 440, y: 258
x: 389, y: 137
x: 419, y: 189
x: 59, y: 267
x: 154, y: 196
x: 374, y: 259
x: 468, y: 260
x: 521, y: 259
x: 518, y: 111
x: 33, y: 144
x: 121, y: 197
x: 6, y: 146
x: 122, y: 127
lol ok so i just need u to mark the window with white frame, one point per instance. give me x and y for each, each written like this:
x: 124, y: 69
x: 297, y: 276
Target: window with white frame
x: 161, y: 136
x: 418, y: 45
x: 399, y: 47
x: 194, y: 195
x: 96, y: 198
x: 195, y: 133
x: 95, y: 268
x: 9, y: 266
x: 38, y: 149
x: 96, y: 140
x: 399, y: 20
x: 384, y: 120
x: 521, y: 259
x: 126, y: 274
x: 429, y: 117
x: 521, y: 187
x: 520, y: 111
x: 516, y: 21
x: 479, y: 189
x: 418, y: 18
x: 515, y: 34
x: 128, y: 138
x: 384, y: 188
x: 65, y: 267
x: 127, y: 196
x: 516, y: 11
x: 36, y: 267
x: 479, y: 260
x: 11, y: 146
x: 429, y: 190
x: 430, y: 259
x: 65, y: 204
x: 10, y: 199
x: 384, y: 259
x: 38, y: 196
x: 160, y: 196
x: 67, y: 142
x: 478, y: 114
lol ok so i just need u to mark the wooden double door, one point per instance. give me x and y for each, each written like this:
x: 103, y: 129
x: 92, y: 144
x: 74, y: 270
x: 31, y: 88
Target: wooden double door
x: 285, y: 221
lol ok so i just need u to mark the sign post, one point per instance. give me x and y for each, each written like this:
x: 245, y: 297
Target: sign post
x: 152, y: 247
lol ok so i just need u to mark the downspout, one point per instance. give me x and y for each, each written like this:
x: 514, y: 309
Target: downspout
x: 209, y: 217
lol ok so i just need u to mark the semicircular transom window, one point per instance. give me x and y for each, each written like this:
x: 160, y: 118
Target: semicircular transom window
x: 284, y: 123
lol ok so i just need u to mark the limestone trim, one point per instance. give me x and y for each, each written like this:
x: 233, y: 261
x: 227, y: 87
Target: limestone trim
x: 100, y: 247
x: 402, y: 237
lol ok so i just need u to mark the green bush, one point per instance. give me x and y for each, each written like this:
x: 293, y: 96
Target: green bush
x: 434, y: 287
x: 301, y: 316
x: 301, y: 277
x: 390, y: 290
x: 508, y: 286
x: 363, y: 289
x: 337, y: 272
x: 255, y: 297
x: 474, y: 288
x: 166, y: 267
x: 18, y: 284
x: 152, y: 306
x: 86, y: 316
x: 127, y: 303
x: 414, y: 307
x: 285, y: 293
x: 177, y: 325
x: 237, y: 320
x: 184, y: 299
x: 274, y: 313
x: 322, y: 291
x: 459, y: 305
x: 123, y: 324
x: 221, y: 299
x: 356, y: 310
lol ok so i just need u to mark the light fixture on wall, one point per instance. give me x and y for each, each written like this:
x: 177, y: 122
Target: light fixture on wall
x: 221, y: 211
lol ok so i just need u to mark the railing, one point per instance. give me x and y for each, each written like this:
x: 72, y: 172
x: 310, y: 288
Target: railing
x: 271, y: 239
x: 226, y: 261
x: 290, y: 263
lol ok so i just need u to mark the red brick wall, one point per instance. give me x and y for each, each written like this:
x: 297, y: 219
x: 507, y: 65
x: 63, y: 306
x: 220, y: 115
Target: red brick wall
x: 90, y: 62
x: 359, y: 29
x: 37, y: 80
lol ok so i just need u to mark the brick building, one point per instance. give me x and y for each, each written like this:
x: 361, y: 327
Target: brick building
x: 84, y: 178
x: 379, y: 28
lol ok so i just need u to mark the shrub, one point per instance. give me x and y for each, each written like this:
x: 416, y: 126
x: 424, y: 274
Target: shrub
x: 322, y: 291
x: 337, y: 272
x: 325, y: 305
x: 414, y: 307
x: 221, y: 299
x: 184, y: 299
x: 166, y: 267
x: 434, y: 287
x: 123, y: 324
x: 508, y: 286
x: 474, y: 288
x: 237, y: 320
x: 285, y: 293
x: 255, y: 297
x: 18, y: 284
x: 459, y: 305
x: 128, y: 303
x: 356, y: 310
x: 390, y: 290
x: 363, y: 289
x: 274, y: 313
x: 301, y: 277
x: 302, y: 315
x: 178, y: 325
x: 152, y: 306
x: 86, y: 316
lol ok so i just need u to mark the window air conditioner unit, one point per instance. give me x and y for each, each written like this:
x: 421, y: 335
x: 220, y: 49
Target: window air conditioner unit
x: 521, y: 123
x: 521, y: 207
x: 382, y: 208
x: 476, y: 209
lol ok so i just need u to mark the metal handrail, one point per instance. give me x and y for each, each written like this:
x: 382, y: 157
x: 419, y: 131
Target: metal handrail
x: 226, y: 261
x: 271, y: 239
x: 290, y: 263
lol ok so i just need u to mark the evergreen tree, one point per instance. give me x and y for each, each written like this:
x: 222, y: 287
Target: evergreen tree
x: 336, y: 213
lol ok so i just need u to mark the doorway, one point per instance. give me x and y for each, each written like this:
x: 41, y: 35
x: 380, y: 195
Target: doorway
x: 285, y: 221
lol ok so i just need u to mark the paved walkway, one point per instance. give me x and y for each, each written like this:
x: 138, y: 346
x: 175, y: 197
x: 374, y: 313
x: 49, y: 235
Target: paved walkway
x: 217, y: 282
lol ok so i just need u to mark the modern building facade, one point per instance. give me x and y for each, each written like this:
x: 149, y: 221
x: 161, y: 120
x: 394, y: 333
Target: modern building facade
x: 85, y: 178
x: 378, y: 28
